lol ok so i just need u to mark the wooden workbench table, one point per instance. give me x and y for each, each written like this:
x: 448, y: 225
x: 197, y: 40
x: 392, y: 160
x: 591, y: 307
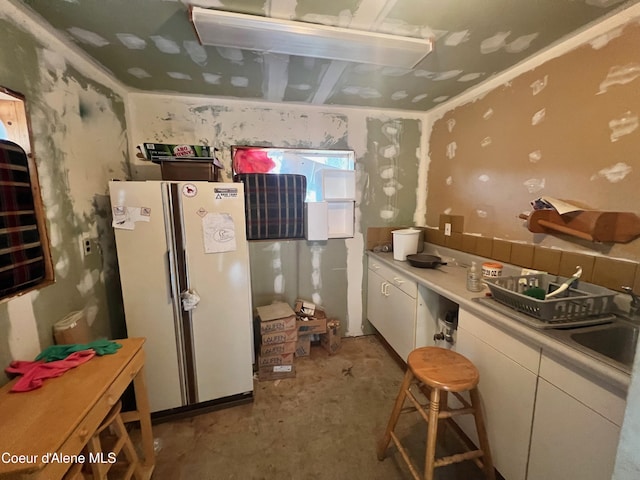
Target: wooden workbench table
x: 61, y: 416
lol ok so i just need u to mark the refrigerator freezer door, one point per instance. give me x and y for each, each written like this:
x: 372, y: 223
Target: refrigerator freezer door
x: 146, y: 289
x: 218, y: 271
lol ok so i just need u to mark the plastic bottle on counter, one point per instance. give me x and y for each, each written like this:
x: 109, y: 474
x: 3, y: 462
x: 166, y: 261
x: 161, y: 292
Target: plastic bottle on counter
x: 473, y: 278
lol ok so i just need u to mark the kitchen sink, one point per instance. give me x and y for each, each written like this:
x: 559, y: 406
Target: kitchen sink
x: 616, y: 341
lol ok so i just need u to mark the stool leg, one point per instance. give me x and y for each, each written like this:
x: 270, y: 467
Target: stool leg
x: 487, y: 460
x: 129, y: 450
x: 432, y: 434
x: 395, y: 413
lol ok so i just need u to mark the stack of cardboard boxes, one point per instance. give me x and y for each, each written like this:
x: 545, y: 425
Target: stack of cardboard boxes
x: 278, y: 336
x: 286, y: 333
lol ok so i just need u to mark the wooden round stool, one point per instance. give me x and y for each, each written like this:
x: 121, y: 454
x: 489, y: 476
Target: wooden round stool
x: 435, y: 372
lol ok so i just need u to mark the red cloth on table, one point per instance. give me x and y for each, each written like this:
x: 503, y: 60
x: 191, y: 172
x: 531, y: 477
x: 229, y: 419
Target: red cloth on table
x: 35, y: 373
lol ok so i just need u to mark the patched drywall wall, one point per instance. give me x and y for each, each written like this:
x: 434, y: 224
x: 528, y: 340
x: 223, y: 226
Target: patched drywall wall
x: 387, y: 148
x: 566, y: 129
x: 77, y: 117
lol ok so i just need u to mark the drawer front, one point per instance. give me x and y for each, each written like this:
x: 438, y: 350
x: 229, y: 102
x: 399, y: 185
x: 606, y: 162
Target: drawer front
x: 526, y: 355
x: 408, y: 286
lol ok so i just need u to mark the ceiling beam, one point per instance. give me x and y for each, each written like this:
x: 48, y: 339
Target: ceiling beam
x: 369, y: 15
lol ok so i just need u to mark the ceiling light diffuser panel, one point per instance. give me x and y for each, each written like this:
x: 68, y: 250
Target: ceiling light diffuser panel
x: 264, y: 34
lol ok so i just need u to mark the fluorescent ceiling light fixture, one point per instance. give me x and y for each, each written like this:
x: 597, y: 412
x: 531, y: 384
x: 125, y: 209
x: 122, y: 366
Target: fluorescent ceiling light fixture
x: 252, y: 32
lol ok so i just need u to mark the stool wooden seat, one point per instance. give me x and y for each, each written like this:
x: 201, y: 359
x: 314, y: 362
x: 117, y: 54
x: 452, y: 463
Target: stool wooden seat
x: 436, y: 372
x: 99, y: 447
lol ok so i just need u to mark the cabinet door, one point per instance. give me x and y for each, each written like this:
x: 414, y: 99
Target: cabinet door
x: 392, y: 312
x: 507, y: 391
x: 570, y: 440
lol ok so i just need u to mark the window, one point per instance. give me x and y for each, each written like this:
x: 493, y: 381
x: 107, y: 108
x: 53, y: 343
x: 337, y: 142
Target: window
x: 274, y: 204
x: 25, y: 260
x: 313, y: 164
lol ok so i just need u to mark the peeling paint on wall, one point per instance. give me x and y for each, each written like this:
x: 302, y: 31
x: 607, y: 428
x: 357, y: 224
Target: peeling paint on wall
x: 364, y: 92
x: 494, y: 43
x: 538, y: 117
x: 602, y: 40
x: 576, y: 145
x: 620, y: 75
x: 535, y: 157
x: 196, y: 51
x: 521, y: 43
x: 138, y: 72
x: 625, y: 125
x: 451, y: 150
x: 539, y: 85
x: 79, y: 142
x: 456, y: 38
x: 469, y: 77
x: 615, y: 173
x: 165, y: 45
x: 234, y: 55
x: 179, y: 75
x: 132, y: 41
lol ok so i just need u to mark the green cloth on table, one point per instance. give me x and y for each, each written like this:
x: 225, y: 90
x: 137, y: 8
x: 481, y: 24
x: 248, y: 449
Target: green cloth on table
x: 60, y: 352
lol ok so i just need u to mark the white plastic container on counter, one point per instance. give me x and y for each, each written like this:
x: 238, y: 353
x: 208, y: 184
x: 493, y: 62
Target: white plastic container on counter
x: 405, y: 242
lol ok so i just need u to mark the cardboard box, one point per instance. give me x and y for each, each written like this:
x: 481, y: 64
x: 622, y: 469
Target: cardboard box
x: 303, y: 346
x: 306, y: 308
x: 279, y: 337
x: 278, y: 348
x: 279, y: 325
x: 274, y: 311
x: 155, y: 151
x: 273, y: 360
x: 185, y: 170
x: 331, y: 340
x: 311, y: 326
x: 276, y: 372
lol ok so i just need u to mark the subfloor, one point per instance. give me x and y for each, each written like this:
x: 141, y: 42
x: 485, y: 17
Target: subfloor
x: 322, y: 424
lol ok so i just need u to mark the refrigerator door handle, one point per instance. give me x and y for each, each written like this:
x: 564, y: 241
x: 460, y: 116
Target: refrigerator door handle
x: 171, y: 275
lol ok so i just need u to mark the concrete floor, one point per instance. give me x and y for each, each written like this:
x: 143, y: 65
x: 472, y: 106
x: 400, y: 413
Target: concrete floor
x: 323, y: 424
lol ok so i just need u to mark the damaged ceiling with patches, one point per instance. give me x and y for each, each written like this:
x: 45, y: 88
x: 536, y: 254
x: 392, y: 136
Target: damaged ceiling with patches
x: 151, y: 45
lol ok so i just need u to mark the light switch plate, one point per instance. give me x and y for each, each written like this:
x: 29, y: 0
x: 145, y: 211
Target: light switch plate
x: 447, y: 229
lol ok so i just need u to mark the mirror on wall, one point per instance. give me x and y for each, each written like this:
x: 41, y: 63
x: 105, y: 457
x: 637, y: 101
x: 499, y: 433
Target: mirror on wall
x: 25, y: 258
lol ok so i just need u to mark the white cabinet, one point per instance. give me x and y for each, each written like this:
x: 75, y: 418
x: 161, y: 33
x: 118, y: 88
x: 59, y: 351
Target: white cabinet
x: 392, y: 306
x: 333, y: 216
x: 576, y: 426
x: 508, y: 376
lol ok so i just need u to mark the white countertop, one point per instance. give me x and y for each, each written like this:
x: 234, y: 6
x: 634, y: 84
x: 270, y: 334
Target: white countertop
x: 450, y: 282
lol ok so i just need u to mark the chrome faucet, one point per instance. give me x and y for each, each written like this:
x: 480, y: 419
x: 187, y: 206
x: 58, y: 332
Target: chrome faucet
x: 634, y: 306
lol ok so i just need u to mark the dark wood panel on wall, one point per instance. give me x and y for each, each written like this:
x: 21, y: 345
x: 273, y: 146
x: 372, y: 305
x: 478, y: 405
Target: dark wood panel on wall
x: 566, y: 129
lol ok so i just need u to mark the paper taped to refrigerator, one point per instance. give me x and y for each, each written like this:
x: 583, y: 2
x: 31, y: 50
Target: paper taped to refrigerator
x: 219, y: 233
x: 125, y: 218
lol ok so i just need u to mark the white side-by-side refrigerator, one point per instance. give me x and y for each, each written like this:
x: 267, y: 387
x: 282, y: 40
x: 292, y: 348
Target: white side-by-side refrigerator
x: 184, y: 269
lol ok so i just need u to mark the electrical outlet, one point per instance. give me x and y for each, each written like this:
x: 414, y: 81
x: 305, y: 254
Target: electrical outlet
x: 86, y: 245
x: 447, y: 229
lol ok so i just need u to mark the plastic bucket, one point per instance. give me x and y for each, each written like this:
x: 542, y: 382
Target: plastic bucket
x: 491, y: 269
x: 405, y: 242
